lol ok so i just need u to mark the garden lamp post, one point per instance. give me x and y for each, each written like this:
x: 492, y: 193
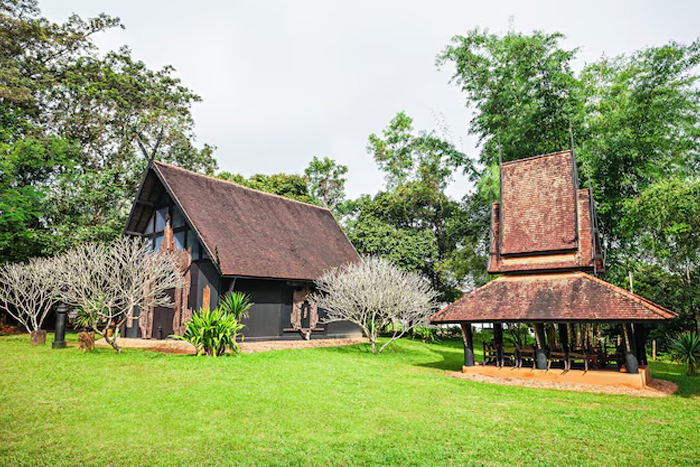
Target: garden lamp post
x: 59, y: 340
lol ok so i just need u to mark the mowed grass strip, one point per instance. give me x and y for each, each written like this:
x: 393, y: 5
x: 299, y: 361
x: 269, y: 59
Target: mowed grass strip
x: 316, y: 407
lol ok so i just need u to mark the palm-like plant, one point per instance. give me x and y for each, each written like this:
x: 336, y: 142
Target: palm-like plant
x: 236, y: 304
x: 685, y: 348
x: 211, y: 332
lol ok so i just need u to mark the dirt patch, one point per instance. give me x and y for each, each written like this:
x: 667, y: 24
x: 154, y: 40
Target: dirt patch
x: 655, y: 388
x: 6, y: 329
x: 181, y: 347
x: 252, y: 347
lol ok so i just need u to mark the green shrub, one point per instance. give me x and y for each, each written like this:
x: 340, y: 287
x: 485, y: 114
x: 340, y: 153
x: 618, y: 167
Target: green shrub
x: 685, y: 348
x: 425, y: 333
x: 236, y: 304
x: 211, y: 332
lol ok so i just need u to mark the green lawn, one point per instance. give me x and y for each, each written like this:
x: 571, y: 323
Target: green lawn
x: 340, y: 406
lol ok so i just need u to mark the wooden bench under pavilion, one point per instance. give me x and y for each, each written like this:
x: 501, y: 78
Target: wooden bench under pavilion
x: 546, y: 246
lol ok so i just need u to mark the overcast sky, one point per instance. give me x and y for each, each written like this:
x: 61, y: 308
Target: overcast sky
x: 282, y: 82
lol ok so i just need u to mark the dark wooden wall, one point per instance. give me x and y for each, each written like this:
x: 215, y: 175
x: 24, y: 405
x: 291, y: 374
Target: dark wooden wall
x: 268, y: 318
x: 271, y: 314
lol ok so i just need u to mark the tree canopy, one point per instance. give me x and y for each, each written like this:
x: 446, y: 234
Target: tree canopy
x: 635, y: 122
x: 71, y: 121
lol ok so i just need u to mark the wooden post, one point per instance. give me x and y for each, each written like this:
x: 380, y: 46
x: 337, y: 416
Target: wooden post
x: 578, y: 342
x: 551, y: 334
x: 630, y: 359
x: 653, y: 350
x: 498, y: 341
x: 468, y: 340
x: 563, y: 336
x: 640, y: 342
x: 206, y: 298
x: 540, y: 352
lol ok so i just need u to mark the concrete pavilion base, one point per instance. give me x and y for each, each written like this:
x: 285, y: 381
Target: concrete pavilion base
x: 604, y: 377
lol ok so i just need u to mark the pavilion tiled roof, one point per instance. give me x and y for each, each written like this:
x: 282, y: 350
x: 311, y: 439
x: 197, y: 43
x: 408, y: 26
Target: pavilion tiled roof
x: 562, y: 297
x: 538, y: 202
x: 544, y: 240
x: 250, y: 233
x: 587, y: 257
x: 543, y: 222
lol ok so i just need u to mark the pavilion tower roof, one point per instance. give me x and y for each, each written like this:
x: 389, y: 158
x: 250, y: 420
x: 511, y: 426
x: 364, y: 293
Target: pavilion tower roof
x: 545, y: 241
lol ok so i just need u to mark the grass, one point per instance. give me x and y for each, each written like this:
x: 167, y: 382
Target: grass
x: 316, y: 407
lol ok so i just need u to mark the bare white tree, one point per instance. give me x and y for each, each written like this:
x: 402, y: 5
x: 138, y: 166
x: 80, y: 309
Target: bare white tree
x: 107, y: 282
x: 375, y: 294
x: 28, y: 291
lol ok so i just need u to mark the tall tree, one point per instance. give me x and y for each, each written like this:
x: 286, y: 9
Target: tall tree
x: 326, y: 181
x: 291, y: 186
x: 664, y: 222
x: 522, y: 88
x: 70, y: 122
x: 642, y: 125
x: 413, y: 222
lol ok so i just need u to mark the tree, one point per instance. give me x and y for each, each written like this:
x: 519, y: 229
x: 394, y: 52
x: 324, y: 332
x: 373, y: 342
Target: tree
x: 522, y: 89
x: 641, y: 126
x: 326, y: 182
x: 71, y: 122
x: 290, y: 186
x: 664, y: 225
x: 108, y: 282
x: 413, y: 223
x: 376, y: 295
x: 28, y: 292
x: 636, y: 126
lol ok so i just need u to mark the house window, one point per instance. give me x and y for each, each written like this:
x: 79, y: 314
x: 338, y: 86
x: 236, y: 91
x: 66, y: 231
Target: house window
x: 178, y: 220
x: 183, y: 235
x: 180, y: 239
x: 149, y: 226
x: 161, y: 218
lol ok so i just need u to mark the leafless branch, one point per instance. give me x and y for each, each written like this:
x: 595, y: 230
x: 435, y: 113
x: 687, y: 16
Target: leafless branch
x: 108, y: 282
x: 375, y: 294
x: 29, y: 290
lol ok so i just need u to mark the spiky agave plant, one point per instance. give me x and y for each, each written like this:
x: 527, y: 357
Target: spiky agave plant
x: 685, y: 348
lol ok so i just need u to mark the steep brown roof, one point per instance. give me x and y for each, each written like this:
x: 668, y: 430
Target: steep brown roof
x: 582, y: 258
x: 538, y: 202
x: 258, y: 234
x: 567, y: 296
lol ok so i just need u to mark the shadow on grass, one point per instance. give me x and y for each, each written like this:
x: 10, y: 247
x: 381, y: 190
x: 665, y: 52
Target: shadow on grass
x: 688, y: 386
x: 448, y: 359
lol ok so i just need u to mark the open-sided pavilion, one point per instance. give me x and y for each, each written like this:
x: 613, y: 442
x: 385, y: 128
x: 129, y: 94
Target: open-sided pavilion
x: 545, y: 243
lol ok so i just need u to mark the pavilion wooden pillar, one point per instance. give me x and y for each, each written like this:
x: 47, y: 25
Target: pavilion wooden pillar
x: 563, y: 336
x: 640, y: 342
x: 498, y: 341
x: 631, y: 362
x: 540, y: 350
x: 468, y: 340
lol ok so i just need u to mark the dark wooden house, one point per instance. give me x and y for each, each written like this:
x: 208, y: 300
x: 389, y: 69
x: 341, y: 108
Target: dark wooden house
x: 545, y: 245
x: 234, y: 238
